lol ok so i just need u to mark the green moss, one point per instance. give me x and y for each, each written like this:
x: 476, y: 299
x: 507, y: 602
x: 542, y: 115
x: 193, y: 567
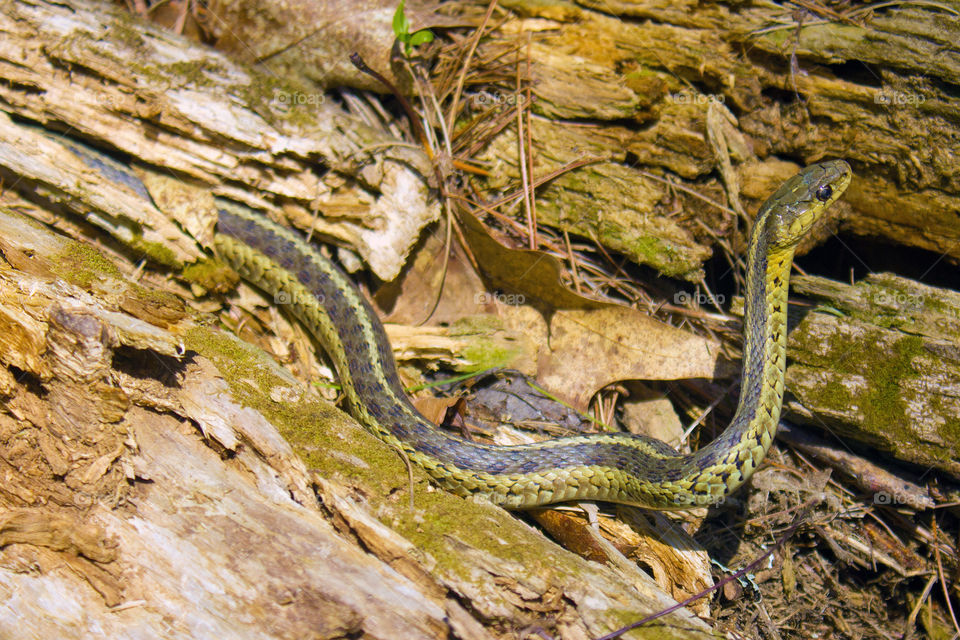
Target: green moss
x: 307, y: 424
x: 884, y: 366
x: 489, y: 354
x: 836, y: 394
x: 779, y: 37
x: 488, y: 347
x: 652, y: 249
x: 664, y: 257
x: 195, y: 72
x: 950, y: 431
x: 120, y: 30
x: 278, y: 97
x: 155, y: 251
x: 83, y: 266
x: 210, y: 274
x: 883, y: 405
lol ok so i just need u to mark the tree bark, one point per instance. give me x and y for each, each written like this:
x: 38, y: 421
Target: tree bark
x: 719, y: 95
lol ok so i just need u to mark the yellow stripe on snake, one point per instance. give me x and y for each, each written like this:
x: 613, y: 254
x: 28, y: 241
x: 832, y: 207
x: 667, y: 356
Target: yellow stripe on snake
x: 616, y: 467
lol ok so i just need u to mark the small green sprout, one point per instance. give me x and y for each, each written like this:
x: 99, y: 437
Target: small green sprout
x: 401, y: 27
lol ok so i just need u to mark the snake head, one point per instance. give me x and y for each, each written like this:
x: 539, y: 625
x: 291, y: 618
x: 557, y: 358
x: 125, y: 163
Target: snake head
x: 800, y: 202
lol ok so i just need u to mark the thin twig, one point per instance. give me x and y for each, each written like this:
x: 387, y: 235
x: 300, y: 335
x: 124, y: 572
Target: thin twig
x: 523, y: 107
x: 415, y: 124
x: 912, y: 618
x: 522, y: 150
x: 466, y: 65
x: 735, y: 576
x: 940, y: 575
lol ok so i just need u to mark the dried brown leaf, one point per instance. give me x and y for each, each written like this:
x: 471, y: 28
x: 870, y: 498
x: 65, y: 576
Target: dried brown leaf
x: 593, y: 348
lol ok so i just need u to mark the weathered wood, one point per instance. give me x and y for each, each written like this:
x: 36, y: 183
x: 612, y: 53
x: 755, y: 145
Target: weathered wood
x: 165, y: 441
x: 879, y: 362
x: 161, y: 443
x: 112, y: 435
x: 645, y: 97
x: 212, y: 126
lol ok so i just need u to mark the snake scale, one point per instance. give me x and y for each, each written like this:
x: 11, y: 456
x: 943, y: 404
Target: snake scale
x: 615, y: 467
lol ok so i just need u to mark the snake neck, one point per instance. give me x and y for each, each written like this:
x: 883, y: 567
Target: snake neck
x: 765, y: 342
x: 744, y: 444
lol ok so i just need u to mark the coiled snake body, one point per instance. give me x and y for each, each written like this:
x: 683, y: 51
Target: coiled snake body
x: 610, y: 466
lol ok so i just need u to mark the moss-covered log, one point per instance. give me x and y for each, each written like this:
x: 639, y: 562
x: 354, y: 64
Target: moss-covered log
x: 676, y: 90
x: 879, y: 362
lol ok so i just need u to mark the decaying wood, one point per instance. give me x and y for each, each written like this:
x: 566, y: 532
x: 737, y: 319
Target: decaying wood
x: 213, y: 127
x: 164, y: 441
x: 143, y: 490
x: 879, y: 362
x: 644, y: 86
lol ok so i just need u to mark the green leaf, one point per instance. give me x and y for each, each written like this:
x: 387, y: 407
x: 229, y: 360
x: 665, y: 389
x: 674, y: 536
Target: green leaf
x: 421, y: 37
x: 401, y: 26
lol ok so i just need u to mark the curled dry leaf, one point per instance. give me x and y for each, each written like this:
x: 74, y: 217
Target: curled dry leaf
x: 591, y: 349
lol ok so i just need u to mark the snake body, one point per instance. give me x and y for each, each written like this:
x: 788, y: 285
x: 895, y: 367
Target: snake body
x: 615, y: 467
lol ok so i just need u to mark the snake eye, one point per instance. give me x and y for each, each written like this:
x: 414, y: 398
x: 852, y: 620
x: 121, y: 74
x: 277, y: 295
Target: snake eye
x: 824, y: 193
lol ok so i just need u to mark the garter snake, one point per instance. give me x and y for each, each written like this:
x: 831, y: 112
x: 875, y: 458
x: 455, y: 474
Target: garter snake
x: 614, y: 467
